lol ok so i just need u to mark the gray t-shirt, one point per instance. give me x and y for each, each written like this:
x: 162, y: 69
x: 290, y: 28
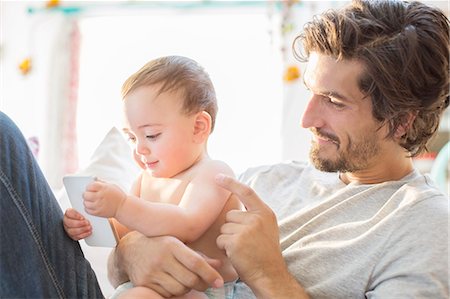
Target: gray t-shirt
x: 387, y: 240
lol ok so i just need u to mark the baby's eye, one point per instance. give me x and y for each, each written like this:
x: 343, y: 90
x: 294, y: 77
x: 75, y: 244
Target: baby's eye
x: 153, y: 137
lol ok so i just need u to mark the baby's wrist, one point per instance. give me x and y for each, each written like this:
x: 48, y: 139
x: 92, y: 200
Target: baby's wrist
x: 120, y: 205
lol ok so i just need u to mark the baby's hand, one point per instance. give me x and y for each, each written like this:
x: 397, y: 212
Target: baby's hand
x: 75, y: 225
x: 103, y: 199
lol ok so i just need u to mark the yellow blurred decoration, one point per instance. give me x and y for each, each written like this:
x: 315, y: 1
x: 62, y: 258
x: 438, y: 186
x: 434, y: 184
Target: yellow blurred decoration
x: 25, y: 66
x: 292, y: 73
x: 52, y: 3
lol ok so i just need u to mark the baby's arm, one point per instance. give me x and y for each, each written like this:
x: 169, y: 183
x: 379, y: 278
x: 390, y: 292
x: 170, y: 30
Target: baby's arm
x: 121, y: 229
x: 75, y: 225
x: 199, y: 207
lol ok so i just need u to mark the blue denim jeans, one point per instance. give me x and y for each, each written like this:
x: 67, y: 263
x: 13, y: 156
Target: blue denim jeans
x: 37, y: 258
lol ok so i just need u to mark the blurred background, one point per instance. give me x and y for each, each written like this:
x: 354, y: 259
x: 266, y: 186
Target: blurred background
x: 63, y: 64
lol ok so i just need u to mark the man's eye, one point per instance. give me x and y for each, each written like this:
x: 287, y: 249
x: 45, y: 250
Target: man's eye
x: 336, y: 104
x: 152, y: 137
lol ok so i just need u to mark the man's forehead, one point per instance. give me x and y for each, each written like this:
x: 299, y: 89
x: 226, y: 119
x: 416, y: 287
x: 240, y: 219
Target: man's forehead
x: 328, y: 75
x: 326, y: 63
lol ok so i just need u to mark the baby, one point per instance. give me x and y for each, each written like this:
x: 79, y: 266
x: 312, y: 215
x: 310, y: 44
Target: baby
x: 170, y: 109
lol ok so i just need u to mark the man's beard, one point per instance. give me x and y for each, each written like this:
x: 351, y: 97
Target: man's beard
x: 354, y: 157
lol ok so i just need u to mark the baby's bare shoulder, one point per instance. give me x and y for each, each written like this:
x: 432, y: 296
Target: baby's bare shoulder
x: 213, y: 167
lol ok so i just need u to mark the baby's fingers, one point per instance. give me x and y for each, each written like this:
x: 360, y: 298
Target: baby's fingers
x: 79, y: 233
x: 73, y: 214
x: 95, y: 186
x: 75, y: 223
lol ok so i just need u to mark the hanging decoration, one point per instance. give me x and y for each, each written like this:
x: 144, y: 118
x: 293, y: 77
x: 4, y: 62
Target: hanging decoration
x: 25, y: 66
x: 52, y: 3
x: 292, y: 73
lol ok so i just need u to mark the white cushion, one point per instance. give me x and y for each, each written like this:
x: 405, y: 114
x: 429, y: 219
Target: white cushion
x: 112, y: 161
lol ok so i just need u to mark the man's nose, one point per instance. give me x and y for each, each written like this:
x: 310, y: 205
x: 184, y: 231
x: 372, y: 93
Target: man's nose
x: 313, y: 115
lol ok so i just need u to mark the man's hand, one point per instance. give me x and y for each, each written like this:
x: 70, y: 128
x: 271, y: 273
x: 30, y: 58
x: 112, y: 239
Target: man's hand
x: 163, y: 264
x: 251, y: 241
x: 103, y: 199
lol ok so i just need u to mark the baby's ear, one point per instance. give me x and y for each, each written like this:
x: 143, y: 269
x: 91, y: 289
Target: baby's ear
x: 202, y: 126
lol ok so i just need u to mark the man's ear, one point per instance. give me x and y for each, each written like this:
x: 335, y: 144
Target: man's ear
x: 202, y: 126
x: 408, y: 120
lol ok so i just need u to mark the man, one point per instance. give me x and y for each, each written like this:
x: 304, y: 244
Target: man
x: 361, y: 221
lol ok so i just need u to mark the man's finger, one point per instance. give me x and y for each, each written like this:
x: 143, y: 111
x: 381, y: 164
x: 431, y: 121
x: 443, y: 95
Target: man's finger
x: 171, y: 286
x: 230, y: 228
x: 221, y: 241
x: 246, y: 194
x: 215, y: 263
x: 200, y: 266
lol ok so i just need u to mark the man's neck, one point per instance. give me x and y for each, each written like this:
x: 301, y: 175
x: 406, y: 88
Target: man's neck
x: 390, y: 169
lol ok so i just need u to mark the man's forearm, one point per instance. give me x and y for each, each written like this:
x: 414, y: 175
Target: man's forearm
x: 283, y: 287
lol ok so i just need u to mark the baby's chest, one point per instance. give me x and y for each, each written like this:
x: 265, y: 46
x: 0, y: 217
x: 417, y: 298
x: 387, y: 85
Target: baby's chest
x: 163, y: 190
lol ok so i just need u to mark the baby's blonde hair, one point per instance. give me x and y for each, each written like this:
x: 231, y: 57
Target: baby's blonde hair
x: 178, y: 73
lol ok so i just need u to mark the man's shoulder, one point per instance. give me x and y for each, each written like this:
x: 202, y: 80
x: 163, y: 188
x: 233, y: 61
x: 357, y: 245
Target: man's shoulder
x: 419, y: 189
x: 278, y: 170
x: 418, y: 206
